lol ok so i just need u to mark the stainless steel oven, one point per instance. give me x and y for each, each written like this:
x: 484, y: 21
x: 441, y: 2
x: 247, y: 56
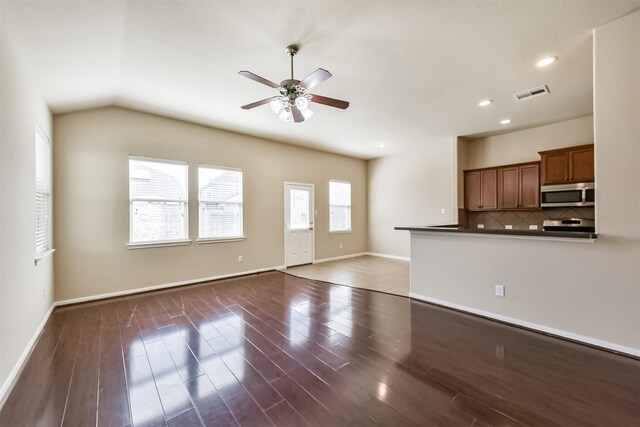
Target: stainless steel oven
x: 582, y: 194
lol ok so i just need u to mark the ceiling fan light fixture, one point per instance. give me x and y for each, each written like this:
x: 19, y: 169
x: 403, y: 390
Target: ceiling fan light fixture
x: 302, y: 103
x: 307, y: 114
x: 276, y: 105
x: 285, y: 115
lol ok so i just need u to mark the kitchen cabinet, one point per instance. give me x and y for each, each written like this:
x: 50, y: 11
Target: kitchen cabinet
x: 509, y: 187
x: 481, y: 190
x: 567, y: 165
x: 519, y: 186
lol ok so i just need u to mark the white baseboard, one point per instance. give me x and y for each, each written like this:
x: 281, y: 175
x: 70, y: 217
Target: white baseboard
x: 337, y: 258
x: 162, y: 286
x: 535, y: 326
x: 8, y: 383
x: 401, y: 258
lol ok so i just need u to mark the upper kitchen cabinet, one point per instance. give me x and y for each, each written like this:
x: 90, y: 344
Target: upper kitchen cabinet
x: 481, y: 190
x: 519, y: 186
x: 567, y: 165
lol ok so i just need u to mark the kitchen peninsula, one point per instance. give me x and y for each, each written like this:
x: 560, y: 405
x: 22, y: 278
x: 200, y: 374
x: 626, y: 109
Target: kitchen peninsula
x: 458, y: 229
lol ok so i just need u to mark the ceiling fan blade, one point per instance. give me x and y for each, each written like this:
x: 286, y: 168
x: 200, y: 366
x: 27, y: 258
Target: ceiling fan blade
x: 258, y: 103
x: 257, y: 78
x: 297, y: 114
x: 331, y: 102
x: 315, y: 78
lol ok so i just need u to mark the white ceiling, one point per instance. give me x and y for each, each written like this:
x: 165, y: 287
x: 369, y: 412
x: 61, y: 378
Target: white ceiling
x: 413, y: 71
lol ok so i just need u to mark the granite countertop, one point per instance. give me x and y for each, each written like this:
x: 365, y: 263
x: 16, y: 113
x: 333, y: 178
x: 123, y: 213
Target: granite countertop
x: 455, y: 228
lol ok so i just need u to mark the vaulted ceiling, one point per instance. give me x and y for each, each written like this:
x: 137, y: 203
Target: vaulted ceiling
x: 414, y: 71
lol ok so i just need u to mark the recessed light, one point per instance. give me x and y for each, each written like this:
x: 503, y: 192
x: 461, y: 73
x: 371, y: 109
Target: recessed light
x: 505, y: 121
x: 546, y: 61
x: 382, y: 145
x: 485, y: 102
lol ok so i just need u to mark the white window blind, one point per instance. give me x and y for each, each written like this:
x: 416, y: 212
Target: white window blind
x: 220, y: 194
x: 339, y: 206
x: 43, y: 193
x: 158, y: 200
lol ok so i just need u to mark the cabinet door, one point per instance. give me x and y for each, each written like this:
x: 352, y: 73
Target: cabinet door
x: 508, y: 179
x: 581, y: 165
x: 472, y: 191
x: 529, y: 177
x: 489, y: 189
x: 555, y: 168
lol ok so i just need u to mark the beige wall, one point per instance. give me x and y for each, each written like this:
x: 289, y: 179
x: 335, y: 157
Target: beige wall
x: 26, y: 290
x: 523, y: 146
x: 410, y: 189
x: 589, y: 291
x: 92, y: 205
x: 462, y: 152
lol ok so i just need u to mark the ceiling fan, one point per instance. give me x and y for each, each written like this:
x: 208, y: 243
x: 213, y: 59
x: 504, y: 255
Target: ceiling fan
x: 293, y: 100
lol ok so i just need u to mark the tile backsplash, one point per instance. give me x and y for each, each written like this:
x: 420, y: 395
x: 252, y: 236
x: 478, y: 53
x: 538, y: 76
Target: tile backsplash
x: 521, y: 220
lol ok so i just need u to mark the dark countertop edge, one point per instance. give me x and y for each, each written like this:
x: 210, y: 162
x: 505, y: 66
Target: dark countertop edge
x: 455, y: 228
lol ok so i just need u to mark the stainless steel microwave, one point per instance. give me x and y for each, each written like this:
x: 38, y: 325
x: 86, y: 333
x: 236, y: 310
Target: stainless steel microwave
x: 582, y: 194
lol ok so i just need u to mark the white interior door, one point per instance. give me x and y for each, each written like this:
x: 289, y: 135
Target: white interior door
x: 298, y: 224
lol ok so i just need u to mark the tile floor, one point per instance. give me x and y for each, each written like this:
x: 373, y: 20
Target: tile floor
x: 365, y: 272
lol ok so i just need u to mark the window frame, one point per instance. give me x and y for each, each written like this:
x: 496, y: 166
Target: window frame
x: 159, y: 243
x: 239, y: 238
x: 42, y: 253
x: 350, y: 229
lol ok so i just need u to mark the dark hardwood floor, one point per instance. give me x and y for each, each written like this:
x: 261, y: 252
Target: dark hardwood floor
x: 276, y: 349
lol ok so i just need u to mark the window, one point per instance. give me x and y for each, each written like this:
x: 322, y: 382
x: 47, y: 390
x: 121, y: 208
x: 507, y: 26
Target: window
x: 158, y: 201
x: 43, y: 194
x: 339, y: 206
x: 299, y: 210
x: 220, y: 194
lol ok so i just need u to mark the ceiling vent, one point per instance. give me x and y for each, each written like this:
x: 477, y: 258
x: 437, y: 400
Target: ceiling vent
x: 532, y: 93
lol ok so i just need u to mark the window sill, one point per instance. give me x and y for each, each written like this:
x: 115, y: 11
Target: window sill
x: 206, y: 241
x: 43, y: 255
x: 158, y: 244
x: 341, y: 232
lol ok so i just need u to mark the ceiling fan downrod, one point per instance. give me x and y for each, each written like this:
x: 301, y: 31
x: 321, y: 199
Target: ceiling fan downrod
x: 292, y: 49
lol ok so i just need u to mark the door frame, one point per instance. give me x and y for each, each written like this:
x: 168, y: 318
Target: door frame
x: 313, y: 219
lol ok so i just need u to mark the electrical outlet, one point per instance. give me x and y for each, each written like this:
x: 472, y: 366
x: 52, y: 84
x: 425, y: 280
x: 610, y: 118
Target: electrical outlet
x: 480, y: 225
x: 533, y: 227
x: 443, y: 211
x: 340, y: 245
x: 499, y: 290
x: 240, y: 259
x: 509, y: 227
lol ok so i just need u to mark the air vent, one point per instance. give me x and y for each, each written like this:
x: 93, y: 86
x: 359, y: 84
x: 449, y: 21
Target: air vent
x: 531, y: 93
